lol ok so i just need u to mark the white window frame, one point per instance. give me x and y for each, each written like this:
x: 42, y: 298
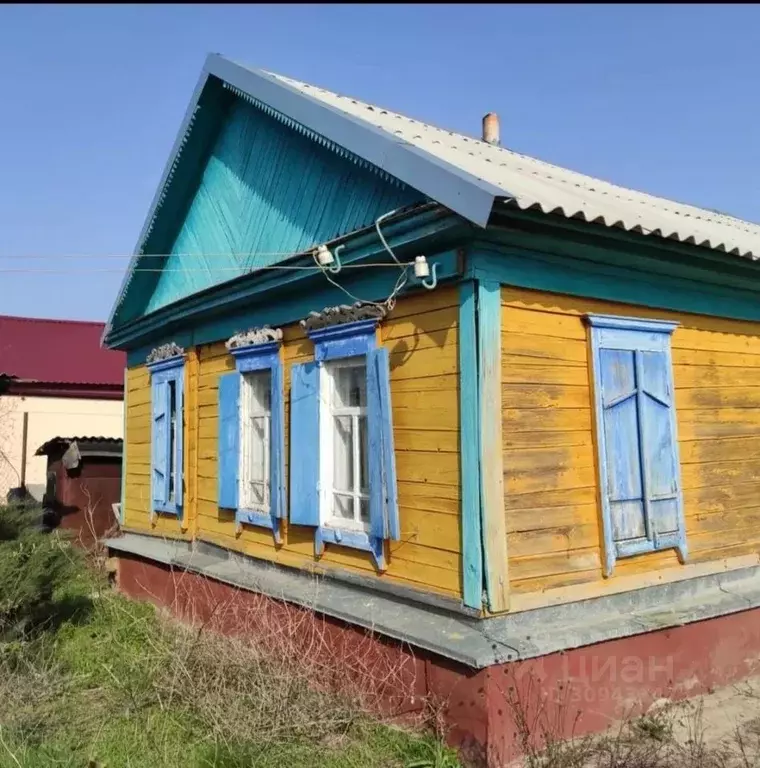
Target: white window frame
x: 249, y: 409
x: 172, y: 416
x: 327, y: 414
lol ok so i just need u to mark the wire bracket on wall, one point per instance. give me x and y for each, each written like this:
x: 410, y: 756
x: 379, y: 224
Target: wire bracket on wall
x: 431, y: 283
x: 422, y: 272
x: 329, y: 262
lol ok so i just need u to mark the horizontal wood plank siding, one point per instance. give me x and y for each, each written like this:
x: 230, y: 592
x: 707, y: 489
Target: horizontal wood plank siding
x: 421, y: 335
x: 550, y: 464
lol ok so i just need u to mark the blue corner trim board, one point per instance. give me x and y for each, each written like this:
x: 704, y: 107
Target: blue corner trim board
x: 469, y: 419
x: 255, y: 357
x: 162, y: 373
x: 490, y: 444
x: 634, y: 407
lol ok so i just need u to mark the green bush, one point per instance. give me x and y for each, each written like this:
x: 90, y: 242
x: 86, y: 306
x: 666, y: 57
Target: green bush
x: 33, y: 565
x: 88, y: 677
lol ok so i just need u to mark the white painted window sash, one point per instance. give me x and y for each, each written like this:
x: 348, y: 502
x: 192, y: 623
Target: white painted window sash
x: 254, y: 413
x: 329, y: 413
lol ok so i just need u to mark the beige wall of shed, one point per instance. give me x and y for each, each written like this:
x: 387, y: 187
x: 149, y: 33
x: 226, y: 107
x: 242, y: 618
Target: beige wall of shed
x: 49, y: 417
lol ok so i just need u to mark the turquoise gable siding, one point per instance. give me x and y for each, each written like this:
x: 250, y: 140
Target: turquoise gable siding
x: 268, y: 191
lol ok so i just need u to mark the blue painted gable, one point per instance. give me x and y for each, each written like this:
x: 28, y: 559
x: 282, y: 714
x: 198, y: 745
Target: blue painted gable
x: 267, y: 190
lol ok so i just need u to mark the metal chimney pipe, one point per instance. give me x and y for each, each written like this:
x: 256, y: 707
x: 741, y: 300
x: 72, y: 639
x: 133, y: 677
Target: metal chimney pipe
x: 491, y: 129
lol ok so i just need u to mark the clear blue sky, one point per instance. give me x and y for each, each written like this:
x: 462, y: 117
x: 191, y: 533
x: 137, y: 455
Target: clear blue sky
x: 658, y: 98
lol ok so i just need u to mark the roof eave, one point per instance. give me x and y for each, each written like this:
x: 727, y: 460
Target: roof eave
x: 470, y: 197
x: 465, y: 194
x: 34, y: 388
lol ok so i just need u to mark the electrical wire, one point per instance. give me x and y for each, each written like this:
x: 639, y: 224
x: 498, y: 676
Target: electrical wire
x: 65, y: 256
x: 390, y: 302
x: 89, y: 270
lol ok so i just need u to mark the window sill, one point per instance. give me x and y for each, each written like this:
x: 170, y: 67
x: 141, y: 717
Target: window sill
x: 351, y: 538
x: 258, y: 518
x: 167, y: 509
x: 645, y: 546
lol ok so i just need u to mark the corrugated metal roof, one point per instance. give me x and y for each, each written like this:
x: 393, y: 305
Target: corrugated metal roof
x: 115, y: 442
x: 58, y: 352
x: 533, y: 184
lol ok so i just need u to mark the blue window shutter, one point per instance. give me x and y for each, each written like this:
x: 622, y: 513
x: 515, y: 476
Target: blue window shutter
x: 229, y: 439
x: 159, y: 439
x: 277, y: 443
x: 624, y: 489
x: 179, y: 452
x: 304, y: 444
x: 658, y: 433
x: 384, y: 523
x: 642, y: 504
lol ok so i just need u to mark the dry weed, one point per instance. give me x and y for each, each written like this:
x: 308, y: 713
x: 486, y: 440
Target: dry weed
x: 285, y: 688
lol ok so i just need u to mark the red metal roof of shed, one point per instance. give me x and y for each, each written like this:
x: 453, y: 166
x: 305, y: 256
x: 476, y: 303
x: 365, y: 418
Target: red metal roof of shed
x: 58, y: 352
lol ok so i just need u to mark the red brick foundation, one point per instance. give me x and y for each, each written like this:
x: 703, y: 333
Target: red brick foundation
x: 575, y: 692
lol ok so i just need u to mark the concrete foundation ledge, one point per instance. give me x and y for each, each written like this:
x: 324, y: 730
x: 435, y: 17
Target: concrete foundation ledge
x: 478, y: 643
x: 576, y: 668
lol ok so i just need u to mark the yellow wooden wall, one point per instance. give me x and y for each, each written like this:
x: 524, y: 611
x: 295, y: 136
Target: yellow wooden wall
x: 421, y: 336
x: 552, y: 502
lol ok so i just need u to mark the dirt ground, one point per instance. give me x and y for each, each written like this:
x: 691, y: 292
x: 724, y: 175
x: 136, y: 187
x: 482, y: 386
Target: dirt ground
x: 720, y: 729
x: 719, y: 715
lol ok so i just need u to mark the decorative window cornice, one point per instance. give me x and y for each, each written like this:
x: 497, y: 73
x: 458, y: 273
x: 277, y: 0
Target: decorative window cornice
x: 345, y: 313
x: 254, y: 336
x: 164, y: 352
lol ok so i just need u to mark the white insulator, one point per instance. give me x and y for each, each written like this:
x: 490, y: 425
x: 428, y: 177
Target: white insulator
x: 421, y: 267
x: 324, y: 256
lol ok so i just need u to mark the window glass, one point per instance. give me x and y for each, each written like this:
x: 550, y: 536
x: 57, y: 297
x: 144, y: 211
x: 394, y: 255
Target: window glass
x: 347, y: 474
x: 255, y: 424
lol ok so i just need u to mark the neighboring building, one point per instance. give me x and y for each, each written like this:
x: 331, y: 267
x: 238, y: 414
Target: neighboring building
x: 83, y: 485
x: 543, y: 459
x: 58, y: 380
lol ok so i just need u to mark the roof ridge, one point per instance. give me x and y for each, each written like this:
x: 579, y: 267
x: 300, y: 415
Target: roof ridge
x: 463, y: 173
x: 708, y: 214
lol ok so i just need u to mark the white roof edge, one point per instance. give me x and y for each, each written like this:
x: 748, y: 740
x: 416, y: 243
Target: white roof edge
x: 534, y: 184
x: 461, y: 172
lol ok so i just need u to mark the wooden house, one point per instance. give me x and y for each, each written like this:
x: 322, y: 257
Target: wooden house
x: 508, y: 413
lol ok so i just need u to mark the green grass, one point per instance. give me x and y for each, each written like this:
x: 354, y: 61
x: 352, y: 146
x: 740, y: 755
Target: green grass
x: 115, y: 683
